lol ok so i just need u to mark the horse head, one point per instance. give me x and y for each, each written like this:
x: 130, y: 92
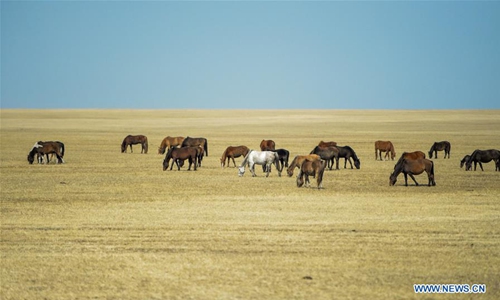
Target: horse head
x: 392, y: 179
x: 357, y: 164
x: 241, y: 170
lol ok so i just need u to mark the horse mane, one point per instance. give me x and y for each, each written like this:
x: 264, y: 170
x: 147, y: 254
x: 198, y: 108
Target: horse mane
x: 245, y: 161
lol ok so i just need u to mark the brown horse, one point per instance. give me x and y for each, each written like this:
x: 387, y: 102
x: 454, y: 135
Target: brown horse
x: 384, y: 146
x: 45, y: 149
x: 56, y: 144
x: 170, y: 142
x: 413, y: 167
x: 411, y: 156
x: 232, y: 153
x: 298, y: 160
x: 193, y: 142
x: 130, y: 140
x: 179, y: 155
x: 328, y: 154
x: 327, y: 144
x: 311, y: 168
x: 267, y: 145
x: 440, y: 146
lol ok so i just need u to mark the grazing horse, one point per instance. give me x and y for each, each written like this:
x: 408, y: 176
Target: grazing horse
x: 384, y: 146
x: 267, y: 145
x: 347, y: 152
x: 411, y: 156
x: 179, y: 155
x: 327, y: 144
x: 311, y: 168
x: 298, y: 160
x: 413, y: 167
x: 130, y: 140
x: 482, y: 156
x: 266, y: 158
x: 56, y: 144
x: 440, y: 146
x: 232, y: 153
x: 464, y: 160
x: 45, y: 149
x: 328, y: 154
x: 202, y: 142
x: 170, y: 142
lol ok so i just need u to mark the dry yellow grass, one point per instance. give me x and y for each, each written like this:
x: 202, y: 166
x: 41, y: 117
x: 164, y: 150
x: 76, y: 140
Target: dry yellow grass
x: 107, y: 225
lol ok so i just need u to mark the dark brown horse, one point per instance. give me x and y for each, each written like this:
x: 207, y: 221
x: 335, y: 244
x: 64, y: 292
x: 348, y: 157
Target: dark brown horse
x: 411, y: 156
x: 347, y: 153
x: 170, y: 142
x: 327, y: 144
x: 482, y: 156
x: 384, y: 146
x: 464, y: 160
x: 298, y: 160
x: 193, y: 142
x: 232, y: 153
x: 45, y: 149
x: 311, y: 168
x: 267, y: 145
x: 328, y: 154
x: 130, y: 140
x: 413, y: 167
x: 179, y: 155
x: 440, y: 146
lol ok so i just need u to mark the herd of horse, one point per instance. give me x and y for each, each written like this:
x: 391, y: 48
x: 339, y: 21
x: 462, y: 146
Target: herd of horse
x: 324, y: 155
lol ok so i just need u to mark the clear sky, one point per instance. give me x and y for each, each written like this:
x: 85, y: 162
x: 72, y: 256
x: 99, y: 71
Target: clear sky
x: 262, y: 55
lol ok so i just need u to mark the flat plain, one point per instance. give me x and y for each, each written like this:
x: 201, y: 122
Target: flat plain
x: 108, y: 225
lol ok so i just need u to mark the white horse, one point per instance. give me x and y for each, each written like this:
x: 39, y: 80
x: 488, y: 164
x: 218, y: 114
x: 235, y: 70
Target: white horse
x: 266, y: 158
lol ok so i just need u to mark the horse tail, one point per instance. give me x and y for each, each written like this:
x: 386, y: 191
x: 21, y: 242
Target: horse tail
x: 245, y: 161
x: 320, y: 173
x: 205, y: 146
x: 62, y: 148
x: 145, y: 144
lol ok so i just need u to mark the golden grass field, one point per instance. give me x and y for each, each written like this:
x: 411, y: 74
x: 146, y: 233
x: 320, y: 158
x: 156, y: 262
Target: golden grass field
x: 107, y: 225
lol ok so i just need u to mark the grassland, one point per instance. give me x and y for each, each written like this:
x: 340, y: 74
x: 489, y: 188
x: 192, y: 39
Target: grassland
x: 107, y: 225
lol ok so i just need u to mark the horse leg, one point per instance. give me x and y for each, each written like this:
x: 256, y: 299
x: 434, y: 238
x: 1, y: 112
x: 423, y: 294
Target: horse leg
x: 412, y: 177
x: 480, y: 164
x: 252, y: 169
x: 234, y: 163
x: 308, y: 183
x: 337, y: 159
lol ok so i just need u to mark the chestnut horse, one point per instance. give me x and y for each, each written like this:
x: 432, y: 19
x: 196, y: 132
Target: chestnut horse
x: 298, y: 160
x: 192, y: 142
x: 130, y: 140
x: 413, y: 167
x: 45, y: 149
x: 170, y: 142
x: 267, y: 145
x: 179, y: 155
x: 440, y: 146
x: 327, y: 144
x: 232, y: 153
x: 384, y: 146
x: 411, y: 156
x: 311, y: 168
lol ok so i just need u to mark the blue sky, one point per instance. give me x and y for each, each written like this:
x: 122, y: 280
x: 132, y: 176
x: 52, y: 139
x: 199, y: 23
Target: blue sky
x: 250, y: 55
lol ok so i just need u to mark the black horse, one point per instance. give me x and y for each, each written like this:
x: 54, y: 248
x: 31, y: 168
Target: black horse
x: 284, y: 156
x: 483, y: 156
x: 328, y: 154
x: 440, y: 146
x: 347, y: 152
